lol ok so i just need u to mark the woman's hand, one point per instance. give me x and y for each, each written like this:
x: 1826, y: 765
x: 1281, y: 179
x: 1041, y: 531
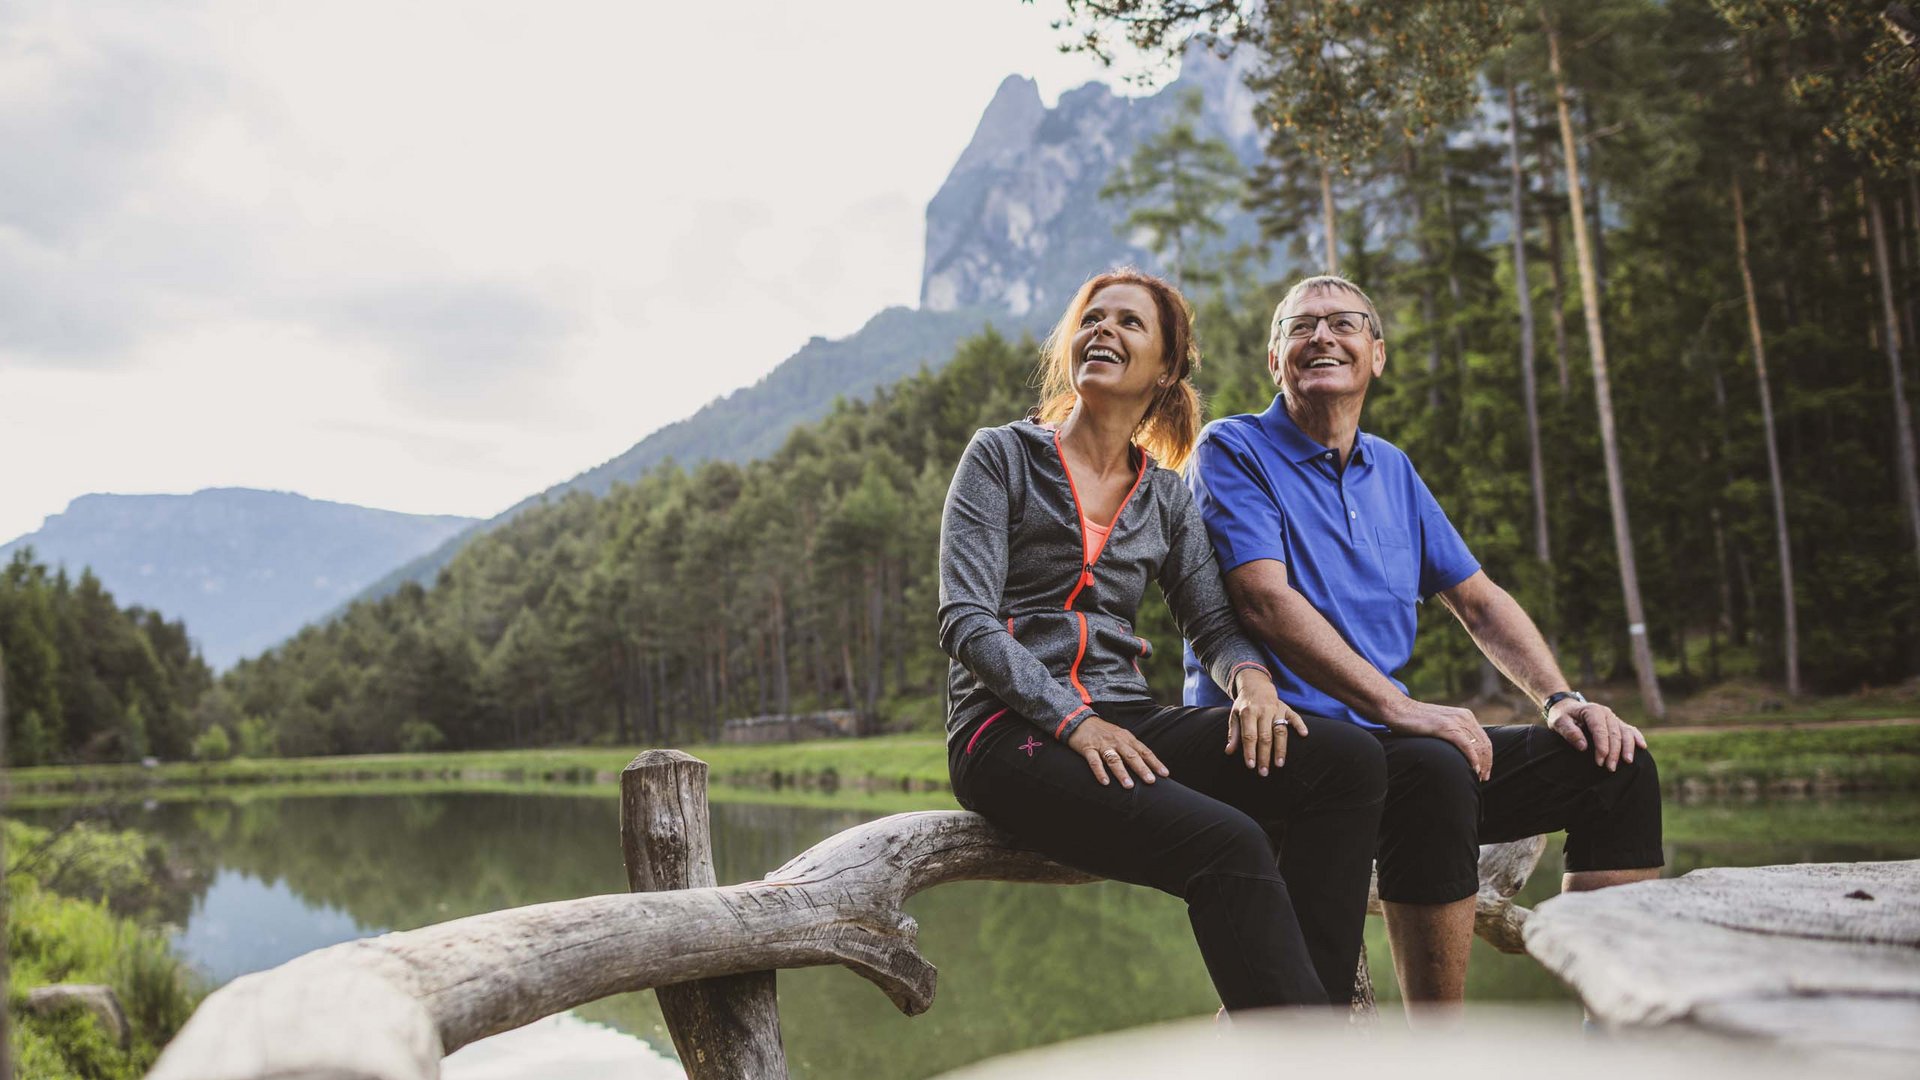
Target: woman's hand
x: 1258, y: 725
x: 1112, y: 750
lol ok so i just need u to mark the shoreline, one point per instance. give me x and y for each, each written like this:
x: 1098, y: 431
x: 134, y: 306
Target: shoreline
x: 1786, y: 760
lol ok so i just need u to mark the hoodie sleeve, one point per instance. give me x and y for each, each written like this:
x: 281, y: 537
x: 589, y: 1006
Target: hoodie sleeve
x: 1190, y: 578
x: 973, y: 576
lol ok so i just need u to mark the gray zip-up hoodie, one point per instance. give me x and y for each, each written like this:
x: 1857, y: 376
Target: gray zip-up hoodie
x: 1034, y: 630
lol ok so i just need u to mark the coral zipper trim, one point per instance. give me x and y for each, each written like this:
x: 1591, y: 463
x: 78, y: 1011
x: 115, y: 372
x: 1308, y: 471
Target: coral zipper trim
x: 1073, y: 673
x: 1086, y: 566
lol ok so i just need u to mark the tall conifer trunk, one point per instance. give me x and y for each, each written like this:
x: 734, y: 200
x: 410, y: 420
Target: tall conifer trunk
x: 1890, y: 342
x: 1329, y: 221
x: 1789, y: 608
x: 1603, y: 394
x: 782, y: 692
x: 1556, y: 267
x: 1529, y: 392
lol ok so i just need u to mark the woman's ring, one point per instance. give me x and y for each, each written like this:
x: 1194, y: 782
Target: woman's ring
x: 1111, y: 753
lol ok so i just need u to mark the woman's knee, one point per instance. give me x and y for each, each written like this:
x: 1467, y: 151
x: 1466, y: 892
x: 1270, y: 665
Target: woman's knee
x: 1232, y: 843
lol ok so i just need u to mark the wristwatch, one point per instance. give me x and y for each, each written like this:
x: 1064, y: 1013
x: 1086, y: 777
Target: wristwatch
x: 1546, y: 707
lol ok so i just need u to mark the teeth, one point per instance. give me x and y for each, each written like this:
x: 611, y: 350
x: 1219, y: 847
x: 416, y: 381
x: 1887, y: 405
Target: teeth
x: 1103, y: 354
x: 1322, y: 361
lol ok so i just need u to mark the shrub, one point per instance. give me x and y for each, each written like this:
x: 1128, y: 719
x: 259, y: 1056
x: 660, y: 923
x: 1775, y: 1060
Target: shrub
x: 213, y: 745
x: 418, y: 737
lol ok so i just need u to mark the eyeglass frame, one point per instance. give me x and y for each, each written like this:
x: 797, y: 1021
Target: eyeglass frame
x: 1366, y: 320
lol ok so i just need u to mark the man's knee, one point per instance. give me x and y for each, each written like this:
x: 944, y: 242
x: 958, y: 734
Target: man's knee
x: 1354, y: 767
x: 1428, y: 775
x: 1621, y: 829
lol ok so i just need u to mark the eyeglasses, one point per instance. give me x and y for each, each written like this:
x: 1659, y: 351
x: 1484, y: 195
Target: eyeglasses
x: 1343, y: 323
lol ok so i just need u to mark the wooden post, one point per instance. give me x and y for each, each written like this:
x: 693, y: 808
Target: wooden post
x: 725, y: 1028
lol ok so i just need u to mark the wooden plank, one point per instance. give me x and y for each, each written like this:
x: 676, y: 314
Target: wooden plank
x: 726, y: 1028
x: 1825, y: 954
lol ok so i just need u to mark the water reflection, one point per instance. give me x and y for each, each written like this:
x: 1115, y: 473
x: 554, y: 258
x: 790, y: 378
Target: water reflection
x: 1020, y: 965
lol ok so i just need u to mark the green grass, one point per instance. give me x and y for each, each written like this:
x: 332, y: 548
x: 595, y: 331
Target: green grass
x: 896, y: 761
x: 75, y: 936
x: 1880, y: 758
x: 1875, y: 758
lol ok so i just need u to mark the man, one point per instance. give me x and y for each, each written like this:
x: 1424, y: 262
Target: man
x: 1328, y: 538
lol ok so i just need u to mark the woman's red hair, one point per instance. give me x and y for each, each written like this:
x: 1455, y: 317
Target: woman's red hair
x: 1172, y: 421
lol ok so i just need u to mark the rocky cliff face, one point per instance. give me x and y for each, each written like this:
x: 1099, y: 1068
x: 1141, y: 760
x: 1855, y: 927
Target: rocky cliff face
x: 1019, y: 223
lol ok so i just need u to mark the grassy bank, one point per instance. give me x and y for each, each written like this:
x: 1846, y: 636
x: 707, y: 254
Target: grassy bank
x: 1781, y: 760
x: 1789, y: 760
x: 83, y: 906
x: 910, y: 761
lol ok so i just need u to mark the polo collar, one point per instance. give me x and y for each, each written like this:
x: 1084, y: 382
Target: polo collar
x: 1298, y: 446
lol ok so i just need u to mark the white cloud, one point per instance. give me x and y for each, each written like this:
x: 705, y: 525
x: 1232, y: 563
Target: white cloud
x: 435, y: 256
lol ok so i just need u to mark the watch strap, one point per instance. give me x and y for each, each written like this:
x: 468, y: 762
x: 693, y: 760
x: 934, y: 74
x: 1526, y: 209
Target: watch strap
x: 1546, y: 707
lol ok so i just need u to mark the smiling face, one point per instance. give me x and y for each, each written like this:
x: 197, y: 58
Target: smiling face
x: 1325, y: 364
x: 1118, y: 350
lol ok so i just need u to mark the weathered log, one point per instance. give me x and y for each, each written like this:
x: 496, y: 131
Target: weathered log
x: 1824, y: 956
x: 726, y: 1028
x: 389, y: 1007
x: 101, y: 1001
x: 1504, y: 869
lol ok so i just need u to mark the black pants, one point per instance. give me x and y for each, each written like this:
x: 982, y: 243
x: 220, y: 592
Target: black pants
x: 1438, y: 813
x: 1285, y: 935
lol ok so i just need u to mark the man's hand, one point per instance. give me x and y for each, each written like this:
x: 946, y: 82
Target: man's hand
x: 1457, y: 726
x: 1591, y: 725
x: 1112, y: 749
x: 1258, y: 725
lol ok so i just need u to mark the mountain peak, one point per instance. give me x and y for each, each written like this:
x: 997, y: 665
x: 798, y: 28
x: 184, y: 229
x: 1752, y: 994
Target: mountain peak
x: 1020, y: 222
x: 1006, y: 127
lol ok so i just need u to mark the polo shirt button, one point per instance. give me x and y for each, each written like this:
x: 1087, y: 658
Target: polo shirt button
x: 1353, y: 513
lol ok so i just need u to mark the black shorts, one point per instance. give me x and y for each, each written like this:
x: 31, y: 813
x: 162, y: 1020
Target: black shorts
x: 1438, y: 813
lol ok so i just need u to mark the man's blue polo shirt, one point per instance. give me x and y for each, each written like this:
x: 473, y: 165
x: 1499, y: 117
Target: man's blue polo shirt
x: 1364, y: 545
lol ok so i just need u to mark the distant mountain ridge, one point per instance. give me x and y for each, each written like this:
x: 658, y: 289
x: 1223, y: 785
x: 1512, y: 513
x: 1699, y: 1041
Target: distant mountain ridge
x: 1013, y: 231
x: 243, y: 568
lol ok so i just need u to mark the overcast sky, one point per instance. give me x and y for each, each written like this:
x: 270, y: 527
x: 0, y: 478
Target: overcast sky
x: 435, y: 256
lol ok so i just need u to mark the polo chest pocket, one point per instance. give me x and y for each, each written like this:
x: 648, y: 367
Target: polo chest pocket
x: 1399, y: 565
x: 1392, y: 536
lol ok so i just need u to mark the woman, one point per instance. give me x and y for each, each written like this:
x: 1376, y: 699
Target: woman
x: 1052, y: 528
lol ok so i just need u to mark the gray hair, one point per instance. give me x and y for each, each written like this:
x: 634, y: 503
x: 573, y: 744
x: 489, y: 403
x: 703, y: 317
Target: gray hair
x: 1313, y: 286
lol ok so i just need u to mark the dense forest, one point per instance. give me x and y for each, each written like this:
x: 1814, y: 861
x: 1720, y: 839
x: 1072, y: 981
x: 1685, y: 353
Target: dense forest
x: 1702, y: 309
x: 88, y: 680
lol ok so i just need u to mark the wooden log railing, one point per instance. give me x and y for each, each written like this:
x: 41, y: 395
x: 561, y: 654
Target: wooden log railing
x: 388, y: 1008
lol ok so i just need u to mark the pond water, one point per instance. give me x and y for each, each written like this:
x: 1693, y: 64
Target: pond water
x: 1020, y: 965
